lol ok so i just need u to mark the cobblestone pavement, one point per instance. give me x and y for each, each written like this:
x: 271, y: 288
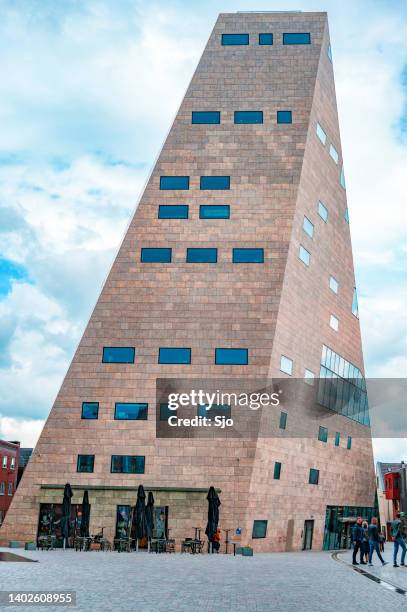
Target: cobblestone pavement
x: 394, y: 575
x: 140, y: 581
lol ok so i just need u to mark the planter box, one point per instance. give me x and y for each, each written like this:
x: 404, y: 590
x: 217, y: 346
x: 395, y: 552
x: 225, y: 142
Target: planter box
x: 14, y: 544
x: 247, y: 551
x: 30, y: 546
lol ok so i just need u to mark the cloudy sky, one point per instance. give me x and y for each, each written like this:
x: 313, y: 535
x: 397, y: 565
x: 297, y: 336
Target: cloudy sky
x: 87, y: 94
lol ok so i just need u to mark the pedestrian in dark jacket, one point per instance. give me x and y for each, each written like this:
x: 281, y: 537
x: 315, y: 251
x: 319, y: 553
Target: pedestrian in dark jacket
x: 374, y: 543
x: 357, y: 540
x: 365, y: 542
x: 397, y: 532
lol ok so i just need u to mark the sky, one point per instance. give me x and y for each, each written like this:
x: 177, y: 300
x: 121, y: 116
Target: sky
x: 87, y: 95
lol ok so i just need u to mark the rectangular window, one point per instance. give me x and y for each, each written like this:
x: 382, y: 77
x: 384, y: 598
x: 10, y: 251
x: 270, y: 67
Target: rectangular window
x: 337, y: 438
x: 355, y: 305
x: 308, y: 227
x: 323, y: 434
x: 205, y: 117
x: 214, y: 211
x: 283, y: 420
x: 313, y: 476
x: 127, y: 464
x: 160, y: 255
x: 265, y: 39
x: 231, y: 356
x: 215, y: 182
x: 346, y: 215
x: 248, y: 116
x: 173, y: 211
x: 174, y: 355
x: 333, y: 284
x: 10, y: 489
x: 321, y: 134
x: 286, y: 365
x: 277, y: 470
x: 235, y: 39
x: 329, y: 53
x: 309, y: 377
x: 259, y: 529
x: 4, y: 461
x: 304, y: 255
x: 323, y: 211
x: 222, y: 410
x: 90, y: 410
x: 333, y: 153
x: 284, y: 116
x: 2, y: 488
x: 130, y: 412
x: 12, y: 463
x: 165, y: 412
x: 349, y: 443
x: 334, y: 322
x: 174, y: 182
x: 248, y: 255
x: 118, y: 354
x: 296, y: 38
x: 195, y: 255
x: 342, y: 178
x: 85, y: 463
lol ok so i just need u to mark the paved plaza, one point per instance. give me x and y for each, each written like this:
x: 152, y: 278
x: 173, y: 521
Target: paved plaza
x: 140, y: 581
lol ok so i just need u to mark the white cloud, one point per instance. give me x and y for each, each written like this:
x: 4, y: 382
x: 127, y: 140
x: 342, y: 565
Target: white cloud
x: 390, y: 449
x: 25, y: 431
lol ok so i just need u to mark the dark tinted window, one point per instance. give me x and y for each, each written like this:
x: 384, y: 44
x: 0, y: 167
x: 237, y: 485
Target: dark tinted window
x: 127, y: 464
x: 118, y: 354
x: 202, y: 255
x: 323, y: 434
x: 231, y: 356
x: 277, y: 470
x: 265, y: 39
x: 215, y: 182
x: 297, y: 38
x: 259, y: 529
x: 235, y: 39
x: 165, y: 412
x: 248, y: 116
x: 313, y: 476
x: 283, y: 420
x: 201, y: 117
x: 337, y: 438
x: 130, y: 412
x: 173, y: 211
x: 284, y: 116
x: 214, y: 211
x: 85, y: 463
x: 174, y: 355
x: 248, y: 256
x: 223, y: 410
x: 174, y: 182
x: 349, y: 443
x: 161, y: 255
x: 90, y: 410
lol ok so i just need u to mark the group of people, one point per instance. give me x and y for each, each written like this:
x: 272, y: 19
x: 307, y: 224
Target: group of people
x: 367, y: 539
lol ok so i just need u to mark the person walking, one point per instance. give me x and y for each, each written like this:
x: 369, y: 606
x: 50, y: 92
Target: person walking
x: 397, y: 532
x: 381, y: 541
x: 365, y: 542
x: 374, y: 545
x: 357, y: 540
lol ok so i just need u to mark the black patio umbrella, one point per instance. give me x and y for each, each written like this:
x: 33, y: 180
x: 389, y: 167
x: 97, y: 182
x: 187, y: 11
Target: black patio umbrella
x: 84, y: 529
x: 140, y: 514
x: 66, y: 513
x: 213, y: 513
x: 150, y: 515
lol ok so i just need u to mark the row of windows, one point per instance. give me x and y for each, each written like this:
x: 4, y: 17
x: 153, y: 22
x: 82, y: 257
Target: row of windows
x: 323, y: 437
x: 5, y: 462
x: 267, y: 38
x: 201, y: 255
x: 335, y: 156
x: 246, y: 117
x: 3, y: 488
x: 205, y: 182
x: 177, y: 355
x: 206, y: 211
x: 120, y: 464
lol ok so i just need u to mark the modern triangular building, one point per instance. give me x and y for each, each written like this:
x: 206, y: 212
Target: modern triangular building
x: 237, y: 263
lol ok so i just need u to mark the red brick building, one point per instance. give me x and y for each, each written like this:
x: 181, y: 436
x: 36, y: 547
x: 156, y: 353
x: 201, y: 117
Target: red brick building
x: 9, y: 458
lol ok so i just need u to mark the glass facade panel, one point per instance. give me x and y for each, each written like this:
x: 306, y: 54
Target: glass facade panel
x: 215, y: 182
x: 333, y: 153
x: 214, y: 211
x: 127, y: 464
x: 265, y: 39
x: 309, y: 377
x: 174, y: 355
x: 304, y: 255
x: 284, y: 116
x: 346, y: 215
x: 205, y: 117
x: 286, y: 365
x: 308, y: 227
x: 296, y: 38
x: 118, y: 354
x: 329, y: 53
x: 334, y: 323
x: 160, y: 255
x: 283, y: 420
x: 248, y: 255
x: 277, y: 470
x: 323, y: 434
x: 321, y: 134
x: 235, y: 39
x: 355, y: 306
x: 202, y: 255
x: 323, y: 211
x: 173, y: 211
x: 248, y: 117
x: 90, y: 410
x: 130, y: 412
x: 333, y: 284
x: 85, y: 463
x: 231, y: 356
x: 338, y: 527
x: 259, y: 529
x: 313, y: 476
x: 342, y: 178
x: 174, y: 182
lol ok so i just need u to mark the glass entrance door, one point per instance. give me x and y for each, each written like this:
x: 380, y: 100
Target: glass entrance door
x: 308, y: 533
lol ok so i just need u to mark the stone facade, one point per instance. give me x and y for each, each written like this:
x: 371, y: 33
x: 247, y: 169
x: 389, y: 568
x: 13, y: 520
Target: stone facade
x: 278, y: 173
